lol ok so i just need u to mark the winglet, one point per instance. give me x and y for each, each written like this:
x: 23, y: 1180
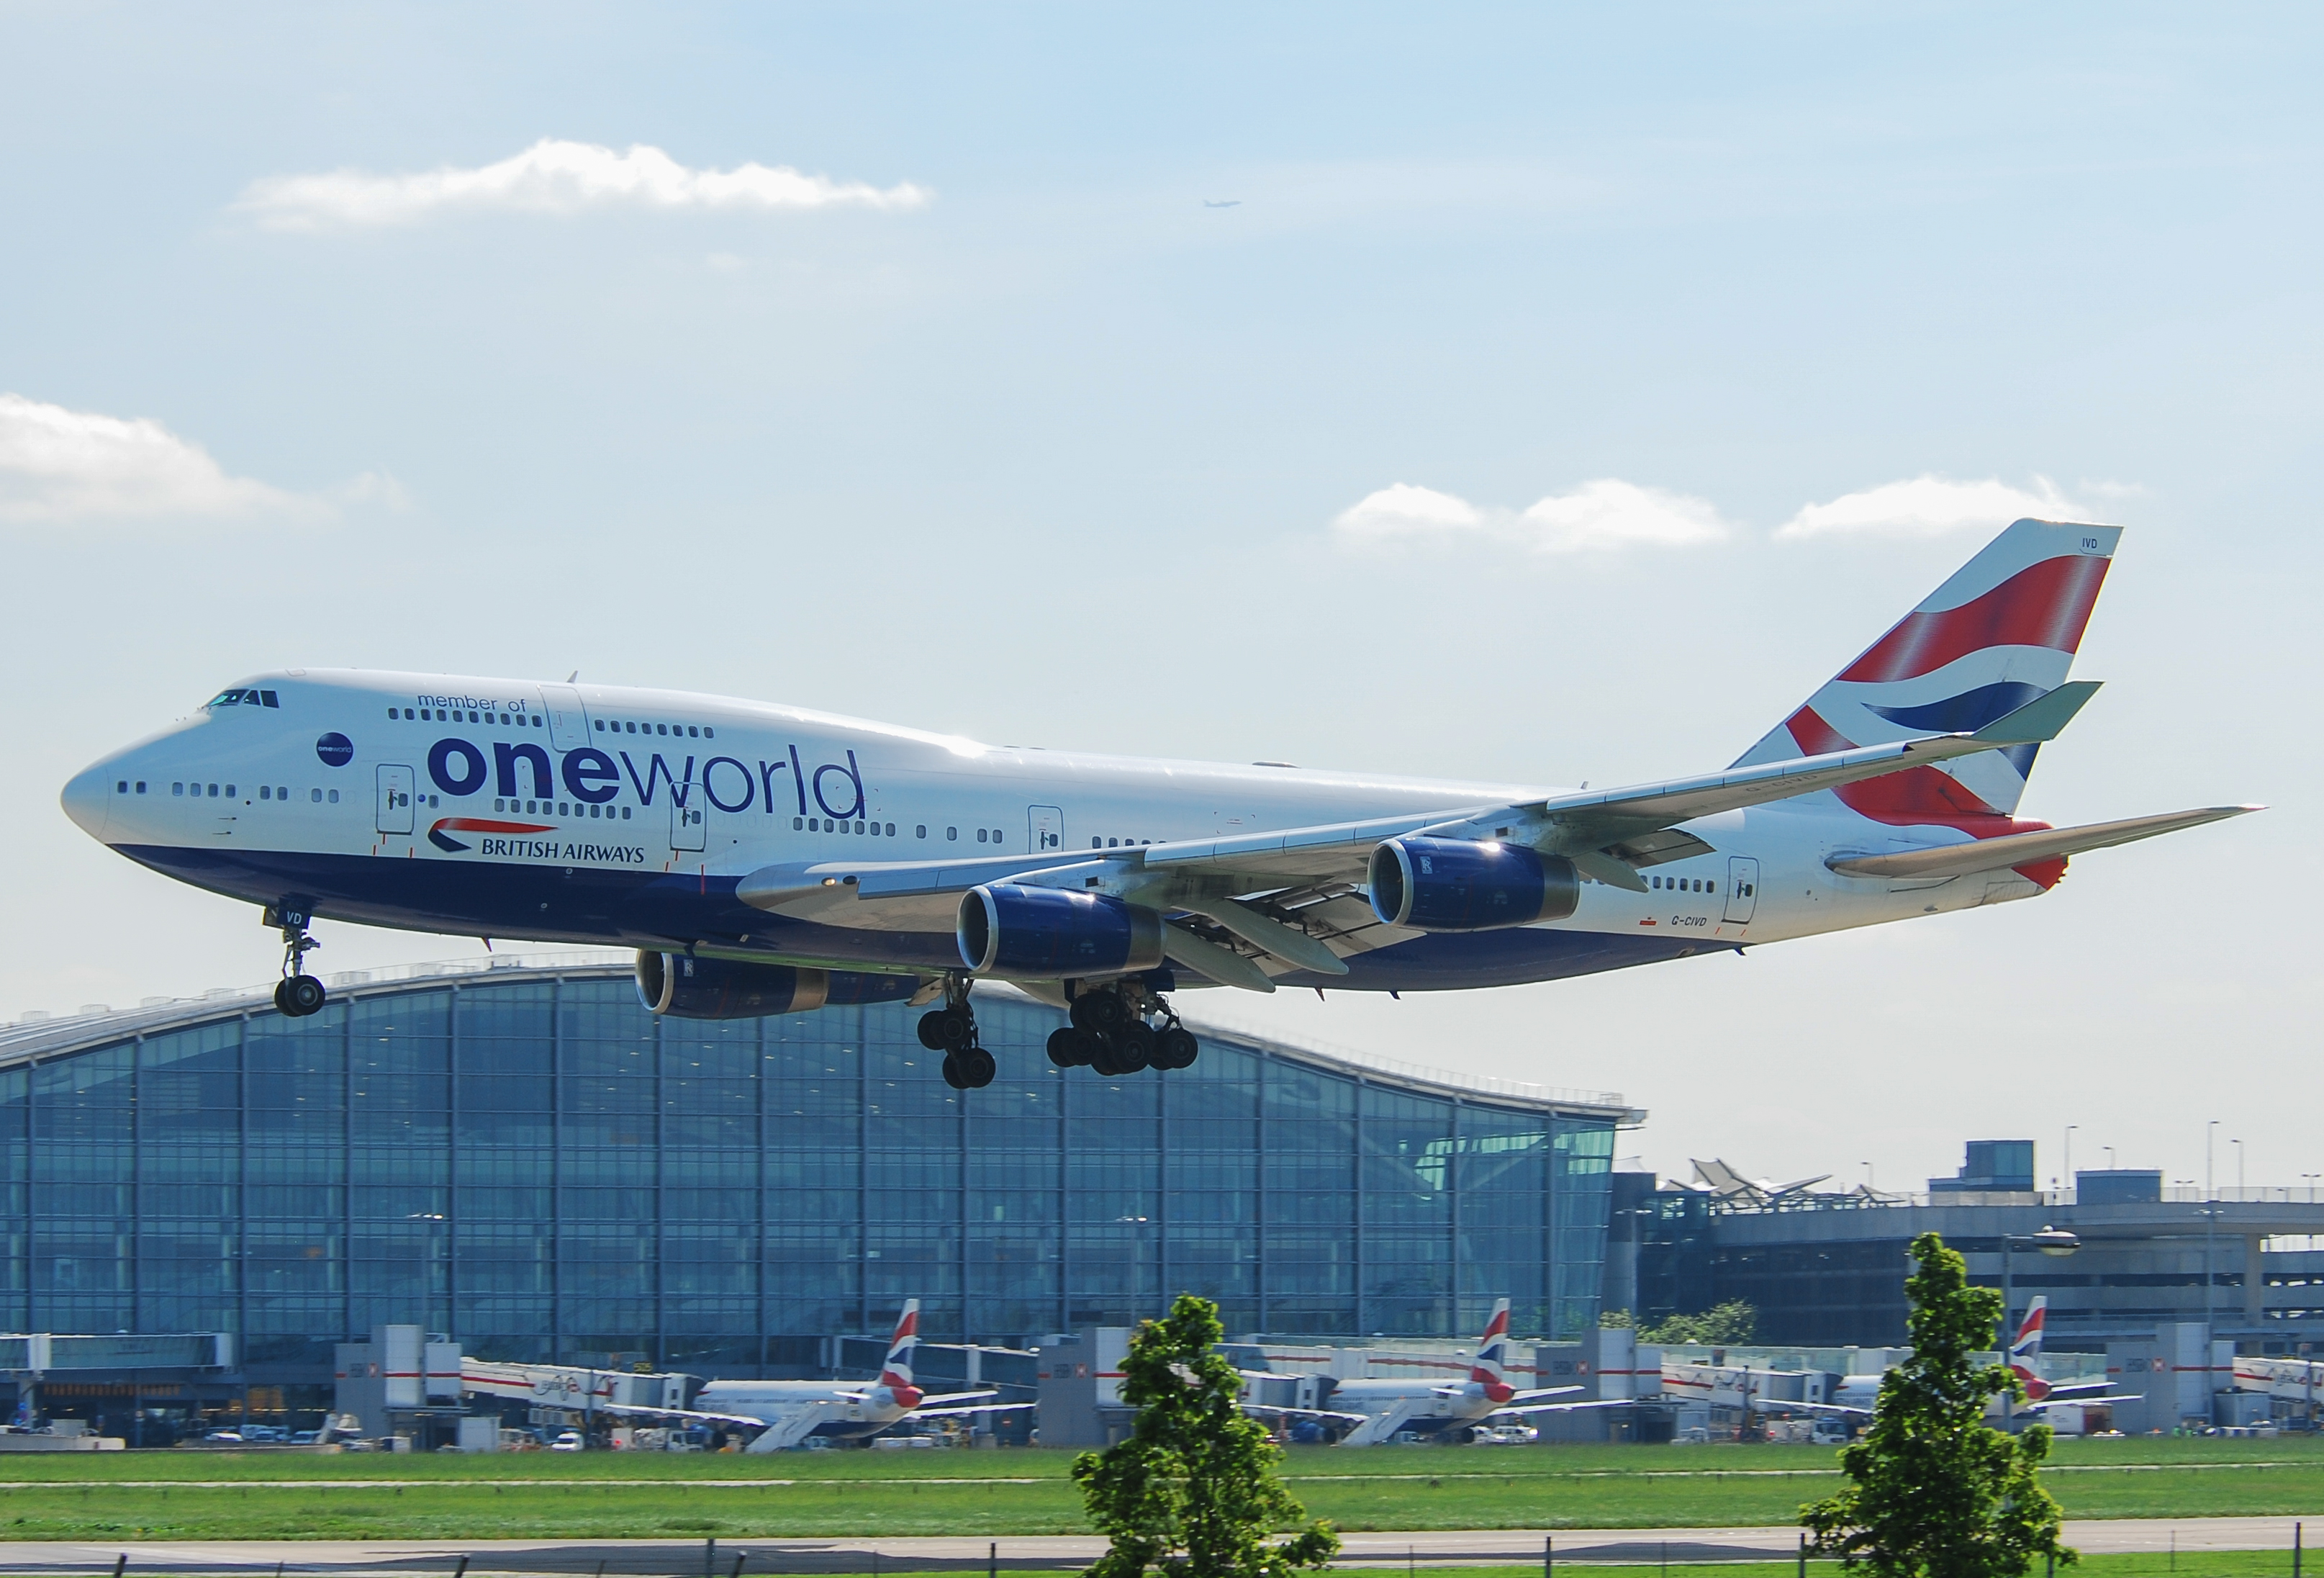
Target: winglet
x: 2041, y: 719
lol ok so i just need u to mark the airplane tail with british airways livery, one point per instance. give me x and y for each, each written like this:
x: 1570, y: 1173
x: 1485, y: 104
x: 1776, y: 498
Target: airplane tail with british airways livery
x: 766, y: 859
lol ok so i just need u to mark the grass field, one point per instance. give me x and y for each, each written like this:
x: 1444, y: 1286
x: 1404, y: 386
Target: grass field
x: 214, y: 1495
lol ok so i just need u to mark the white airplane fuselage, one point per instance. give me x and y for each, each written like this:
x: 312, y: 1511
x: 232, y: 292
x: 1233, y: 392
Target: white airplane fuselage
x: 607, y: 815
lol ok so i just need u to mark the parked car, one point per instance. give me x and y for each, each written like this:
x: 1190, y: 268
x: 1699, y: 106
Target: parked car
x: 568, y: 1441
x: 233, y: 1437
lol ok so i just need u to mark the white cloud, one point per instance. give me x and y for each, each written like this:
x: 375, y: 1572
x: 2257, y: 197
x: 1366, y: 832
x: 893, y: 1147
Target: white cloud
x: 60, y: 465
x: 553, y: 177
x: 1929, y: 506
x: 1605, y: 514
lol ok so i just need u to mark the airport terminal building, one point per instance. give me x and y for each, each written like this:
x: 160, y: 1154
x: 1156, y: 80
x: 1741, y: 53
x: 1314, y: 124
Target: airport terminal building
x: 523, y: 1158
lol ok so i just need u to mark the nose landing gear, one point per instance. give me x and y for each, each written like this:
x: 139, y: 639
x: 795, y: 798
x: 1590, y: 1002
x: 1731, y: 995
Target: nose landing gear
x: 298, y: 993
x: 1111, y: 1032
x: 951, y: 1030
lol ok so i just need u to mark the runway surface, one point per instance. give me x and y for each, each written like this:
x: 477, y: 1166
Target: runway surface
x: 768, y: 1558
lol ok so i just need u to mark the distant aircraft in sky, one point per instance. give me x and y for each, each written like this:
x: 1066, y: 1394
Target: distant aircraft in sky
x: 1230, y: 203
x: 765, y: 859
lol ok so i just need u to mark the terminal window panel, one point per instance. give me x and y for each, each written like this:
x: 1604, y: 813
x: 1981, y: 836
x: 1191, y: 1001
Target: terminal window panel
x: 585, y: 1160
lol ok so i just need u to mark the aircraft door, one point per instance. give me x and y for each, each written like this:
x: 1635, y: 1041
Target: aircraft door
x: 568, y: 720
x: 394, y: 799
x: 1742, y: 889
x: 687, y: 807
x: 1047, y: 828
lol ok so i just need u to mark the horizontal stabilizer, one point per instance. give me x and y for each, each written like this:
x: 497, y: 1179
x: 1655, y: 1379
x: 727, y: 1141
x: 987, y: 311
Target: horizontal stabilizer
x: 2041, y: 720
x: 1993, y: 855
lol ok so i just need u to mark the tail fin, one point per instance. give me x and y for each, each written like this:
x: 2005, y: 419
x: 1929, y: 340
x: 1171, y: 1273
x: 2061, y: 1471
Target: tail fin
x: 1490, y: 1369
x: 2028, y: 1346
x: 896, y: 1374
x: 2026, y: 1353
x: 2000, y: 632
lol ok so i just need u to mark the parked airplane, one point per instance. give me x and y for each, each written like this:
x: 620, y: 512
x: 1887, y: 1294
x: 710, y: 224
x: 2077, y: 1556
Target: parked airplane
x: 1380, y: 1410
x: 793, y: 1411
x: 1857, y: 1394
x: 768, y: 860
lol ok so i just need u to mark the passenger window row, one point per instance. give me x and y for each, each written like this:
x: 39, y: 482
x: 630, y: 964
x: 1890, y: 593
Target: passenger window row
x: 266, y: 791
x: 883, y: 829
x: 1698, y: 884
x: 436, y: 714
x: 1117, y: 843
x: 555, y: 807
x: 617, y: 726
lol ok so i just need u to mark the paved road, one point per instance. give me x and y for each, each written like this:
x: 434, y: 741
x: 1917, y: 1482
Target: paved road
x: 766, y: 1558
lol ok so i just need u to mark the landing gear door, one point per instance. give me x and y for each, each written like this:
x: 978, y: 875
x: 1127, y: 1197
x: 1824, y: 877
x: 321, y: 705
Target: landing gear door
x: 1742, y: 889
x: 569, y: 721
x: 394, y: 799
x: 686, y: 806
x: 1047, y: 828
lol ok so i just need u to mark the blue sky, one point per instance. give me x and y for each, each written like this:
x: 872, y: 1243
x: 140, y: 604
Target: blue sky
x: 1003, y: 431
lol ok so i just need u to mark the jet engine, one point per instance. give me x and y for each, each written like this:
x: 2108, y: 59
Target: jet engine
x: 687, y: 988
x: 1010, y: 930
x: 1454, y: 885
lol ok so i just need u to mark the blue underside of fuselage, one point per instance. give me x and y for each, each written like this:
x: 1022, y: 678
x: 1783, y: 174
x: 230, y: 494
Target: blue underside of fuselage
x: 595, y: 906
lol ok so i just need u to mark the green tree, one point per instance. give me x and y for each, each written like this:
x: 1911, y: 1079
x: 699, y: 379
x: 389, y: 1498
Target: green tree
x: 1193, y: 1492
x: 1723, y: 1325
x: 1937, y: 1492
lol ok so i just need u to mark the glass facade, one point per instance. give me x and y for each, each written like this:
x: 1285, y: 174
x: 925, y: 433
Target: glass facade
x: 530, y: 1162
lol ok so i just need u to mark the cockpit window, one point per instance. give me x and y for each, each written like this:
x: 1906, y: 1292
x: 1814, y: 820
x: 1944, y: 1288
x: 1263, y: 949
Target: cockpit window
x: 238, y: 696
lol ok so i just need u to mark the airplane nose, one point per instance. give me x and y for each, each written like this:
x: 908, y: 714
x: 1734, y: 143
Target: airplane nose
x: 86, y: 799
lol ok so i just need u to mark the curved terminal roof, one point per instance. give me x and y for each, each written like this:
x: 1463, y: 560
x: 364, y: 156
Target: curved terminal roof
x: 34, y: 1039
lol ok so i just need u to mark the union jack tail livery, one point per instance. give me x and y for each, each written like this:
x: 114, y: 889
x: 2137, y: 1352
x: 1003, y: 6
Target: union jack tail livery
x: 1488, y: 1371
x: 896, y: 1372
x: 2001, y: 632
x: 2025, y: 1353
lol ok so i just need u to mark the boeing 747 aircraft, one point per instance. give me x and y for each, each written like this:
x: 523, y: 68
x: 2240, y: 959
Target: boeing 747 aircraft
x: 763, y: 859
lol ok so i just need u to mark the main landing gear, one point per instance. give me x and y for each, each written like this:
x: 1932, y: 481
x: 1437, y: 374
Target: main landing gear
x: 298, y: 993
x: 951, y: 1030
x: 1111, y: 1032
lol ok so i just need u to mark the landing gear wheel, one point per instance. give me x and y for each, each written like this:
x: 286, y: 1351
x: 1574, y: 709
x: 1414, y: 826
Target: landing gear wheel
x: 1134, y: 1046
x: 1104, y: 1061
x: 932, y: 1029
x: 1101, y: 1011
x: 953, y: 1073
x: 1070, y: 1047
x: 1175, y: 1047
x: 301, y: 996
x: 976, y: 1068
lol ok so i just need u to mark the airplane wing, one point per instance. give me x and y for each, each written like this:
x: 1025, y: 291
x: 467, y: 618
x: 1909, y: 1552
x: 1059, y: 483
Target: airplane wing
x: 1307, y: 878
x: 2017, y: 849
x: 973, y: 1408
x: 1570, y: 1408
x: 954, y: 1397
x: 2061, y: 1402
x: 749, y: 1420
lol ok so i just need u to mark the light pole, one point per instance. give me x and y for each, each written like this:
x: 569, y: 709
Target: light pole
x: 2070, y: 1154
x: 2109, y: 1150
x: 2240, y: 1167
x: 2210, y: 1134
x: 2312, y: 1178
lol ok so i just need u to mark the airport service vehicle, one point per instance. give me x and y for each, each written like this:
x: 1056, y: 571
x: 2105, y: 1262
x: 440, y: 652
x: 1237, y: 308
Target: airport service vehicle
x: 763, y: 859
x: 791, y: 1411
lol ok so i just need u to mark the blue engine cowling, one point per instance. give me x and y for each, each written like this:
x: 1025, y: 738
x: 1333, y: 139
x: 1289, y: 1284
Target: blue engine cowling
x: 728, y: 989
x: 1454, y: 885
x: 1008, y: 930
